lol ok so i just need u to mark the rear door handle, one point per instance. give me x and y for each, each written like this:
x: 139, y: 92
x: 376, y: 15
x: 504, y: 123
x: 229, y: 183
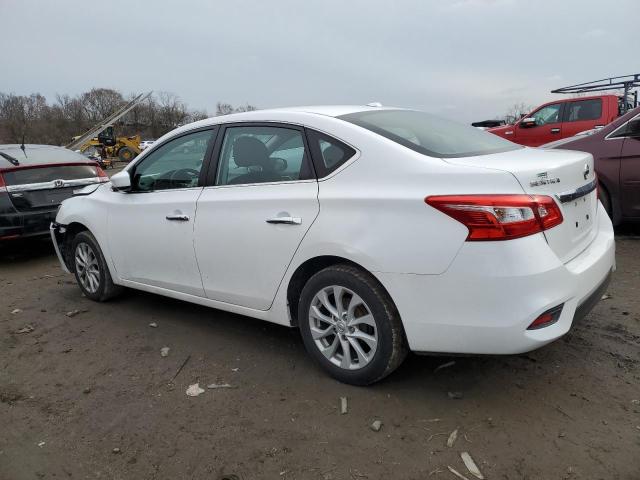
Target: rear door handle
x: 285, y: 220
x: 555, y: 130
x: 178, y: 218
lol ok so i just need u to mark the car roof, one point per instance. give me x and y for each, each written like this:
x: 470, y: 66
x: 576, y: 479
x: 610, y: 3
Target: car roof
x: 39, y: 155
x: 283, y: 114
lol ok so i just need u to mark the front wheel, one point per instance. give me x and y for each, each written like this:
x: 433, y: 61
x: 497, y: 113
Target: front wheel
x: 90, y: 268
x: 350, y: 325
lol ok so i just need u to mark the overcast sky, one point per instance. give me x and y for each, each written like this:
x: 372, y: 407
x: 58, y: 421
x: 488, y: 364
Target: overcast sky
x: 462, y: 59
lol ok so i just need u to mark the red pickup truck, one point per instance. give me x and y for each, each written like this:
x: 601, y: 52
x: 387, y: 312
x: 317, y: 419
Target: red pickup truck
x: 561, y: 119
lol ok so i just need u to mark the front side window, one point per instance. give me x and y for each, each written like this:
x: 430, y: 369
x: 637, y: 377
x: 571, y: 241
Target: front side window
x: 583, y: 110
x: 430, y: 135
x: 262, y: 154
x: 175, y: 164
x: 546, y: 115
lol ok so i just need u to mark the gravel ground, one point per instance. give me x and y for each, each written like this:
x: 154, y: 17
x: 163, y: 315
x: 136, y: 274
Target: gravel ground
x: 87, y: 394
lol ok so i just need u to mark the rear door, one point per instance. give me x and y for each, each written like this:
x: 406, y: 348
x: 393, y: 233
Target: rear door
x: 630, y: 170
x: 548, y: 127
x: 258, y: 206
x: 581, y: 115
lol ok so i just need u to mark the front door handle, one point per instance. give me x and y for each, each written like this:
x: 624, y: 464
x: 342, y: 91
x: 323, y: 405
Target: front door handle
x: 285, y: 220
x: 555, y: 130
x: 178, y: 218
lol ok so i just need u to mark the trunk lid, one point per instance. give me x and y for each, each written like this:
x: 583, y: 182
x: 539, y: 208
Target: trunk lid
x: 567, y: 176
x: 45, y: 187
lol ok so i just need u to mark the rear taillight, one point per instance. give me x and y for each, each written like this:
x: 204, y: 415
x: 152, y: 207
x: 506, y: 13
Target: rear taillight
x: 102, y: 177
x: 499, y: 217
x: 3, y: 187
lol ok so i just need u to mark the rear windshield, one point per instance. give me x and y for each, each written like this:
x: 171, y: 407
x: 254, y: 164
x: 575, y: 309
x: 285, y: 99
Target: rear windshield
x: 430, y: 135
x: 48, y: 174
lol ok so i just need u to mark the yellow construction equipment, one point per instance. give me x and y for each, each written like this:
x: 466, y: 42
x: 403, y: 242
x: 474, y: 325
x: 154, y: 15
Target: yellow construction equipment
x: 110, y: 146
x: 102, y: 136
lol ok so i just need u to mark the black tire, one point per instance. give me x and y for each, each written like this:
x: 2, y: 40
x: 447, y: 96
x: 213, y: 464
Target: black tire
x: 605, y: 199
x: 125, y: 154
x: 105, y: 289
x: 391, y: 347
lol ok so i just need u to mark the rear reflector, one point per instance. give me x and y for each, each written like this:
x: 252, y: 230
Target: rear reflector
x: 499, y: 217
x: 547, y: 318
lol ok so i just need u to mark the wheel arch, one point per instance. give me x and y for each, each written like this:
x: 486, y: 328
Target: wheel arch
x: 310, y: 267
x: 616, y: 211
x: 72, y: 229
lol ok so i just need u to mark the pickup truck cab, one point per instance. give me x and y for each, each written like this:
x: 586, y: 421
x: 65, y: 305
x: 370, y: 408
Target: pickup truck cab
x: 561, y: 119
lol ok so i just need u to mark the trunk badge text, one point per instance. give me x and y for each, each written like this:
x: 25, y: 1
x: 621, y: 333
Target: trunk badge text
x: 543, y: 179
x: 586, y: 170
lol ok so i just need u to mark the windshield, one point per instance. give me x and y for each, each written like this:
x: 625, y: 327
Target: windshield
x: 430, y: 135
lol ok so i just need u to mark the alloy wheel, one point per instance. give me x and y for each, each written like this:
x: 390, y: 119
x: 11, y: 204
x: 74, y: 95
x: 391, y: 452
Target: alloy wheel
x: 343, y: 327
x: 87, y: 267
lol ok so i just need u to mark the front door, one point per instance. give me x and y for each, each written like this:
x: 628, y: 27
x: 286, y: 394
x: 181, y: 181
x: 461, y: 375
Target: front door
x: 151, y: 227
x: 548, y: 127
x: 256, y: 212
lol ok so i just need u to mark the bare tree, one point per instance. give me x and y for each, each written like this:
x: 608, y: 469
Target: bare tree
x: 516, y: 111
x: 99, y: 103
x: 40, y: 122
x: 227, y: 108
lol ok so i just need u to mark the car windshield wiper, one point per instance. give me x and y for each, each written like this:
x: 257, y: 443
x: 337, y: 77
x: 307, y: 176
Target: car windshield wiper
x: 11, y: 159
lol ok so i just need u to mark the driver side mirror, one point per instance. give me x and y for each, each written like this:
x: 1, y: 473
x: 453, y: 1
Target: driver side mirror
x: 121, y: 182
x: 528, y: 122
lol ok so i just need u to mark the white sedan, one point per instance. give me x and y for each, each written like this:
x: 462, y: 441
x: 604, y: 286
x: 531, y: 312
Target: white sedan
x: 375, y: 231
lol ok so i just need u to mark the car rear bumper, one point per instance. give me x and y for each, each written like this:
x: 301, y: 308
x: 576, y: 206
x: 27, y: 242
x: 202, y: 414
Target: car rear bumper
x: 26, y: 224
x: 493, y: 291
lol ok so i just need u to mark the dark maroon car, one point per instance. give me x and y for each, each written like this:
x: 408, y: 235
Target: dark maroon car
x: 616, y: 152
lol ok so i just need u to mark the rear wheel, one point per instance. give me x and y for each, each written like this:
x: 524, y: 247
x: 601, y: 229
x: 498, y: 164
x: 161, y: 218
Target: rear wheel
x: 350, y: 326
x: 125, y: 154
x: 90, y: 268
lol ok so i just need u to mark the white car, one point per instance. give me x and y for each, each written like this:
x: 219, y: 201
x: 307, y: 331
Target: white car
x: 375, y: 231
x: 145, y: 144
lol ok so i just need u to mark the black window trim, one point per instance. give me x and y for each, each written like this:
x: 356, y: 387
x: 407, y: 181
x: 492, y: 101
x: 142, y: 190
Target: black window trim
x: 621, y: 131
x: 214, y: 164
x: 322, y: 172
x: 565, y: 111
x: 205, y: 161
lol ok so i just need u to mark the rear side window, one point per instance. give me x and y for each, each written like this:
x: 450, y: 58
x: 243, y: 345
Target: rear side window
x: 428, y: 134
x: 262, y: 154
x: 49, y: 174
x: 328, y: 153
x: 583, y: 110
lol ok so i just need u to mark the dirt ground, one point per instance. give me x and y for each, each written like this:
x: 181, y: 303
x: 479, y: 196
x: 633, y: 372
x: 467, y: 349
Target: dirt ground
x: 90, y: 396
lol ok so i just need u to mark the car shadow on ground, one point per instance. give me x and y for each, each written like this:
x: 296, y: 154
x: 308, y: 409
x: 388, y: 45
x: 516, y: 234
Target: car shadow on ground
x: 280, y: 347
x: 23, y: 250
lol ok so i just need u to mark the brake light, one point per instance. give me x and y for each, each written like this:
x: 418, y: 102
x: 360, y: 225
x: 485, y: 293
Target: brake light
x: 499, y: 217
x: 102, y: 177
x: 3, y: 187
